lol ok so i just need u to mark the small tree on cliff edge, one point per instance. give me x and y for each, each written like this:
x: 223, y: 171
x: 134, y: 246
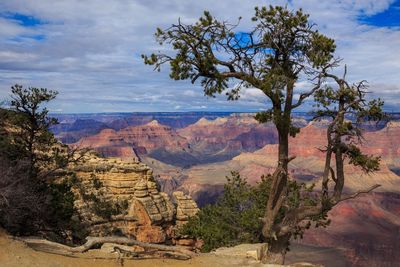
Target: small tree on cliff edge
x: 32, y: 197
x: 32, y: 136
x: 281, y: 48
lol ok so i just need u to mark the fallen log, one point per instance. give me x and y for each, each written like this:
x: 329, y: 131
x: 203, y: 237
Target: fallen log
x: 177, y: 252
x: 129, y: 252
x: 93, y: 241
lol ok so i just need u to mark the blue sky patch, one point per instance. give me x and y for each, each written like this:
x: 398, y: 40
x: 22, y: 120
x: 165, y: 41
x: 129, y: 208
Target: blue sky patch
x: 243, y: 39
x: 388, y: 18
x: 23, y: 38
x: 24, y: 20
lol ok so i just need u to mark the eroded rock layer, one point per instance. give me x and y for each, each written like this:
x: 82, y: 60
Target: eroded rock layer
x: 115, y: 196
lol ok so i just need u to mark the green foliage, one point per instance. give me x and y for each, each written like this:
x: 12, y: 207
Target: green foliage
x: 293, y: 130
x: 236, y: 217
x: 36, y: 195
x: 62, y: 200
x: 29, y: 132
x: 368, y: 163
x: 264, y: 116
x: 280, y: 45
x: 347, y: 109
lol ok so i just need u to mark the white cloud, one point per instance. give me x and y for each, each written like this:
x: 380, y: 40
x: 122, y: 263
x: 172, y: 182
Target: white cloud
x: 91, y: 50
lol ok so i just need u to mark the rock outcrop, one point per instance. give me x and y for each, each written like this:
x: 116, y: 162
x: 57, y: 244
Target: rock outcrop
x: 144, y: 138
x: 114, y: 196
x: 186, y: 207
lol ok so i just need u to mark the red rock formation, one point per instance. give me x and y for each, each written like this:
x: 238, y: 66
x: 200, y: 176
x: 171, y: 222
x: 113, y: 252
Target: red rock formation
x: 152, y: 136
x: 226, y: 128
x: 386, y: 143
x: 107, y: 143
x: 223, y: 138
x: 141, y: 139
x: 307, y: 166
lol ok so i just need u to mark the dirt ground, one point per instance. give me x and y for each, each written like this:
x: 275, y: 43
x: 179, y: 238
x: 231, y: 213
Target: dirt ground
x: 14, y: 253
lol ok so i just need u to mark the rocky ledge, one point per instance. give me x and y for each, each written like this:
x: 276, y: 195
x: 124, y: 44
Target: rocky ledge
x: 115, y: 196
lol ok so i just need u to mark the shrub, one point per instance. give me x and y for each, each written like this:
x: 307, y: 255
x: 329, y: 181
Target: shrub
x: 234, y: 218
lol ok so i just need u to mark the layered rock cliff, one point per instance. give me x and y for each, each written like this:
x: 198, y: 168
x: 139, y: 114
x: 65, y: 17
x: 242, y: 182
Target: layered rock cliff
x: 155, y: 139
x: 114, y: 196
x: 224, y: 138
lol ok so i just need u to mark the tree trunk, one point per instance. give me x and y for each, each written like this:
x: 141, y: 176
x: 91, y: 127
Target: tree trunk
x: 278, y: 190
x: 339, y: 174
x: 275, y: 251
x: 283, y: 148
x: 339, y: 154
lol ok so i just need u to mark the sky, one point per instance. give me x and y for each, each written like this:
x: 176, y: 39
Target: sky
x: 90, y: 50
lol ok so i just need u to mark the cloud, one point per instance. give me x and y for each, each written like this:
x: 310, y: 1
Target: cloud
x: 90, y: 50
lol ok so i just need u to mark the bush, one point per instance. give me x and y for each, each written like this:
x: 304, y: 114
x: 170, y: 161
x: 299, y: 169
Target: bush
x: 235, y: 218
x: 21, y: 204
x: 28, y: 207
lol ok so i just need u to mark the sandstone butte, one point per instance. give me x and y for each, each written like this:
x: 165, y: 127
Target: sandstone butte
x: 149, y: 215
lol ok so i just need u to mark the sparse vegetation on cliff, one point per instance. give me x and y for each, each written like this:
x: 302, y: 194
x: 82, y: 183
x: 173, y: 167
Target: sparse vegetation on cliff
x: 97, y: 201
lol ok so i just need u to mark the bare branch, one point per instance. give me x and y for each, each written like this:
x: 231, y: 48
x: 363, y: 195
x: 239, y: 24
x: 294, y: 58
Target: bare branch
x: 356, y: 194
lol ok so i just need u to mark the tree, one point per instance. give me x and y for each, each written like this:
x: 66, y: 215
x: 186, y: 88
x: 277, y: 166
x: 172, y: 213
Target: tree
x: 281, y: 48
x: 32, y: 197
x: 32, y: 124
x: 31, y: 132
x: 347, y: 109
x: 234, y: 218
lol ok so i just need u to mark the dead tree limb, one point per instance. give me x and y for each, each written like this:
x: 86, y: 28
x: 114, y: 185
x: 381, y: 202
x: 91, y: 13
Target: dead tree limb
x: 356, y: 194
x: 129, y: 252
x: 177, y: 252
x: 93, y: 241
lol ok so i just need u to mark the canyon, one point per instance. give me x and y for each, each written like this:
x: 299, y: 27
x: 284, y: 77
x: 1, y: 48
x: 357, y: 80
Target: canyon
x: 195, y: 157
